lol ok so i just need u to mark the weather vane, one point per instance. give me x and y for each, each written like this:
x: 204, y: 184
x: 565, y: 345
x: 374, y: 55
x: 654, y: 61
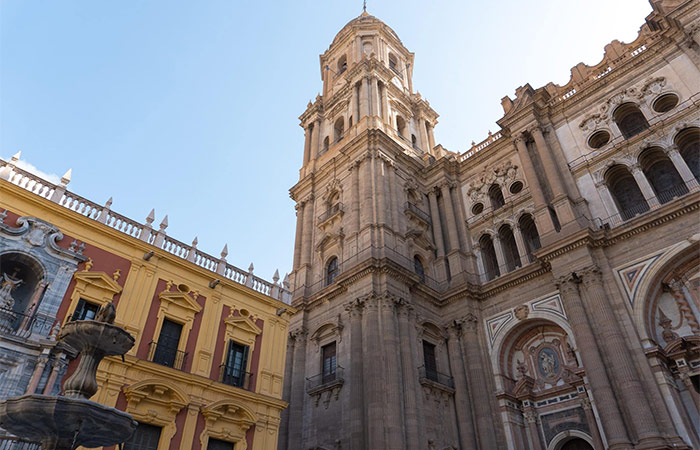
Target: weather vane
x: 364, y: 6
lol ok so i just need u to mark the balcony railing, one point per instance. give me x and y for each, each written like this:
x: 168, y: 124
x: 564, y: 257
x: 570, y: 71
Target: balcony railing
x: 678, y: 190
x: 330, y: 212
x: 166, y: 355
x: 322, y: 380
x: 233, y: 377
x: 13, y: 323
x: 410, y: 207
x: 436, y: 377
x: 15, y: 443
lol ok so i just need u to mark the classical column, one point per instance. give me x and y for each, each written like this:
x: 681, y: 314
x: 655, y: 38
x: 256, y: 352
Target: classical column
x: 612, y: 342
x: 58, y: 364
x: 38, y: 371
x: 367, y: 209
x: 608, y: 202
x: 437, y: 225
x: 550, y: 167
x: 410, y: 377
x: 354, y: 219
x: 542, y: 218
x: 645, y: 186
x: 307, y: 235
x: 431, y: 138
x: 683, y: 169
x: 385, y: 103
x: 374, y: 98
x: 590, y: 418
x: 610, y: 415
x: 394, y: 388
x: 450, y: 217
x: 397, y: 220
x: 373, y: 378
x: 467, y: 437
x: 364, y: 98
x: 315, y: 131
x: 353, y: 106
x: 307, y: 144
x: 357, y: 409
x: 500, y: 254
x: 522, y: 248
x: 423, y: 135
x: 286, y: 394
x: 297, y: 240
x: 531, y: 418
x: 481, y: 396
x: 298, y: 391
x: 379, y: 190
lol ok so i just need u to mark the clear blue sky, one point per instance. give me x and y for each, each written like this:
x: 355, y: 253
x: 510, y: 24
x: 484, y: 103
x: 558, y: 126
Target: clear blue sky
x: 192, y: 107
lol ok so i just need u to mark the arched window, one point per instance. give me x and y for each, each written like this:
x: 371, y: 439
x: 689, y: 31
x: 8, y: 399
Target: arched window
x: 339, y: 129
x: 400, y: 126
x: 326, y: 144
x: 530, y: 234
x: 510, y: 248
x: 488, y: 257
x: 496, y: 196
x: 333, y: 204
x: 630, y: 120
x: 331, y: 271
x: 688, y: 143
x: 624, y: 189
x: 662, y: 175
x: 342, y: 64
x: 394, y: 63
x: 418, y: 267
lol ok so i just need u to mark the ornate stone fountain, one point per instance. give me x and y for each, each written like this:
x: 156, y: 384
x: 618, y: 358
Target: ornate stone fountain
x: 72, y: 420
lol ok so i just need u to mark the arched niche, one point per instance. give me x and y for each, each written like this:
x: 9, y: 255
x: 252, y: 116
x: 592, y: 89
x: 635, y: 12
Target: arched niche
x: 229, y: 421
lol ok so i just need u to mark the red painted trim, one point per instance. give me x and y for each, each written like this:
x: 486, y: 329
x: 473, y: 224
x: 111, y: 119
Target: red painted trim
x: 194, y: 334
x: 150, y: 326
x: 255, y: 358
x: 249, y: 435
x: 180, y: 424
x: 199, y: 428
x: 219, y: 348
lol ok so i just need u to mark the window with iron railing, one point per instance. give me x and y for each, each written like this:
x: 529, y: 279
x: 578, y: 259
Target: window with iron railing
x: 85, y: 310
x: 165, y: 350
x: 328, y: 362
x: 233, y: 372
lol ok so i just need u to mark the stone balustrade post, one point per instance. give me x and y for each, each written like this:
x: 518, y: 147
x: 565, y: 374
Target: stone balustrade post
x: 221, y: 264
x: 160, y: 235
x: 61, y: 188
x: 465, y: 421
x: 104, y: 212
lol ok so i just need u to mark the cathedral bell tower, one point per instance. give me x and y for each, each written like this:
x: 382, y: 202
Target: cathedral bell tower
x: 380, y: 231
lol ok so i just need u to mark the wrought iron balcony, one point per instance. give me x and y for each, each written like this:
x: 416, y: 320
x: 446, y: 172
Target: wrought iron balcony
x: 322, y: 381
x: 416, y: 211
x: 233, y: 377
x: 435, y: 377
x: 13, y: 323
x: 330, y: 212
x: 166, y: 355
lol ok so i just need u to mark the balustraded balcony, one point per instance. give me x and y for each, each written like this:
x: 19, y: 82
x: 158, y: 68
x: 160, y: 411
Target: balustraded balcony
x: 20, y: 325
x: 234, y: 377
x: 435, y: 377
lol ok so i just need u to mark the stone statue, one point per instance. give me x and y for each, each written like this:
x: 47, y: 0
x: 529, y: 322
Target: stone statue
x: 9, y: 284
x: 548, y: 363
x: 106, y: 313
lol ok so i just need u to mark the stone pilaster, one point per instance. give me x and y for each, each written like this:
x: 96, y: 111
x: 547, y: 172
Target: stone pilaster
x: 683, y: 169
x: 542, y: 218
x: 590, y: 418
x: 610, y: 415
x: 465, y: 421
x: 645, y: 186
x: 357, y: 408
x: 298, y: 391
x: 373, y: 378
x: 393, y: 386
x: 437, y: 224
x: 410, y: 377
x: 531, y: 420
x: 38, y: 371
x: 298, y: 236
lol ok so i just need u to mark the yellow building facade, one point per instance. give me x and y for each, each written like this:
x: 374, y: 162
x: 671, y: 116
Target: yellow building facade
x: 207, y: 368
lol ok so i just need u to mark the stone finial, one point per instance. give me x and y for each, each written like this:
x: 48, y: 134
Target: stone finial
x: 285, y: 282
x: 276, y: 276
x: 151, y: 217
x: 251, y: 268
x: 88, y: 265
x: 164, y: 223
x: 108, y: 204
x: 65, y: 179
x: 195, y: 241
x: 224, y: 252
x: 16, y: 157
x: 117, y: 273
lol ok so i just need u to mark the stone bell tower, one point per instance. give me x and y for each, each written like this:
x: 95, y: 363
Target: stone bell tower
x: 380, y: 231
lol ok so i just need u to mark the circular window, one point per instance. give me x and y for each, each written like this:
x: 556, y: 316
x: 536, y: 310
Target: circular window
x: 599, y: 139
x: 516, y: 187
x: 478, y: 208
x: 665, y: 103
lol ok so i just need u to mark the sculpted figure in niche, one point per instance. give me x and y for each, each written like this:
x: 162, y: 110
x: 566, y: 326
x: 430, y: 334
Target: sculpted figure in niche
x: 9, y: 284
x: 548, y: 364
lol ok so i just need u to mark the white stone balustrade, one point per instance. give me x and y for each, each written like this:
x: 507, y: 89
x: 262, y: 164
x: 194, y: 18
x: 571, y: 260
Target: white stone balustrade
x: 145, y: 232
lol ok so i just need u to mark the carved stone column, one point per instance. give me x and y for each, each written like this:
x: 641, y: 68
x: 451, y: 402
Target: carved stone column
x: 375, y: 103
x: 379, y: 190
x: 385, y: 104
x: 450, y: 217
x: 542, y: 218
x: 398, y: 219
x: 465, y: 421
x: 58, y: 365
x: 352, y: 113
x: 315, y: 133
x: 357, y: 409
x: 531, y: 419
x: 618, y: 355
x: 683, y: 169
x: 522, y: 248
x: 286, y: 394
x: 364, y: 98
x: 410, y: 377
x: 645, y: 186
x: 437, y: 225
x: 354, y: 213
x: 481, y: 396
x: 307, y: 144
x: 298, y: 391
x: 297, y: 240
x: 367, y: 200
x: 550, y: 167
x: 372, y: 377
x: 610, y: 415
x: 308, y: 224
x: 38, y: 371
x: 500, y: 254
x: 393, y: 387
x: 590, y: 418
x: 608, y: 202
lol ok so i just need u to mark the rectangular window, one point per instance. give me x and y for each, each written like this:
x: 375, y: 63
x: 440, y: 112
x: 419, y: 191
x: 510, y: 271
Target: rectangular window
x: 234, y: 372
x: 328, y: 362
x: 429, y: 361
x: 218, y: 444
x: 145, y: 437
x: 85, y: 310
x: 166, y: 352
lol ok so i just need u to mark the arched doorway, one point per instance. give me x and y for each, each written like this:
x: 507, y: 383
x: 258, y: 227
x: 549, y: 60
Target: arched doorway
x: 576, y: 444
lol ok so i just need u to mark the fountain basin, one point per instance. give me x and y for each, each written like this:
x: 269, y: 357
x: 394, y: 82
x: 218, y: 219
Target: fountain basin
x: 108, y: 339
x: 60, y: 422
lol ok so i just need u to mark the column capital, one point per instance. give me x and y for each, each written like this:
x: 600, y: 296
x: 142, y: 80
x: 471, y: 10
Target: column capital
x: 567, y: 284
x: 590, y: 276
x: 585, y: 403
x: 298, y: 334
x: 469, y: 322
x: 536, y: 129
x: 355, y: 307
x: 530, y: 415
x: 672, y: 150
x: 635, y: 168
x: 454, y: 329
x: 519, y: 140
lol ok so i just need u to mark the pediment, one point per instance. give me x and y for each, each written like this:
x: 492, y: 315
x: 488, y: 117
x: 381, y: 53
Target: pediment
x: 99, y: 280
x: 243, y: 324
x: 181, y: 299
